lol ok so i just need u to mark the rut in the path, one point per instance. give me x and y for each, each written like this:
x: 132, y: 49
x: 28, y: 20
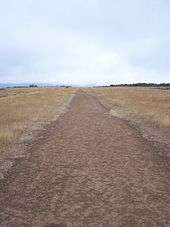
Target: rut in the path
x: 88, y: 169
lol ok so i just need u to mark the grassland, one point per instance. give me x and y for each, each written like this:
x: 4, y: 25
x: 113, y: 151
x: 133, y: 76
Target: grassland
x: 24, y: 110
x: 151, y: 105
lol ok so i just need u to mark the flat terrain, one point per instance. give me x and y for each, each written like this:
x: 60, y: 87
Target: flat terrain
x: 88, y: 168
x: 23, y: 111
x: 153, y: 105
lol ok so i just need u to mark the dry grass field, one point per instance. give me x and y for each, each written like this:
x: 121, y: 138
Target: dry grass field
x: 24, y: 110
x: 88, y: 168
x: 152, y: 105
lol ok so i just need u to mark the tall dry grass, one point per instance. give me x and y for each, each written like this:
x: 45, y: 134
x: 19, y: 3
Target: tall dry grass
x: 153, y: 105
x: 24, y: 110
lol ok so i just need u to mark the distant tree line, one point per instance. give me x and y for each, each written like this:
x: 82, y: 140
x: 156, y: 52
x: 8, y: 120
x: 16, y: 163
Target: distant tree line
x: 141, y: 85
x: 33, y: 85
x: 24, y: 86
x: 65, y: 86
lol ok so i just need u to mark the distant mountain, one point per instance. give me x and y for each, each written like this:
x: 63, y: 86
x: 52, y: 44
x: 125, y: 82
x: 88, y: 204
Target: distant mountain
x: 10, y: 85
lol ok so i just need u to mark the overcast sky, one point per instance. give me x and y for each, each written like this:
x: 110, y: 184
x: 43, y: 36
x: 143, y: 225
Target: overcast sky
x: 85, y: 42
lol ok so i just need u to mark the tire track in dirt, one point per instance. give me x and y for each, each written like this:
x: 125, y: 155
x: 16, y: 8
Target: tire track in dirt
x: 89, y: 169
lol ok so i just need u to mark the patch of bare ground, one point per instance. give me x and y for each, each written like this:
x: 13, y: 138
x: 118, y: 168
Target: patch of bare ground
x: 88, y: 169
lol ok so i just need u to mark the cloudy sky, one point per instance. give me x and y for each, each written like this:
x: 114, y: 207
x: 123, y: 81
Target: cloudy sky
x: 84, y: 42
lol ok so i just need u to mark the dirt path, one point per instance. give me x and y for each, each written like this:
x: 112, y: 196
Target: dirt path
x: 88, y: 168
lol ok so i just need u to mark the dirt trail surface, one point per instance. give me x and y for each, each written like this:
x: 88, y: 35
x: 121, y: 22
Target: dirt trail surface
x: 87, y: 169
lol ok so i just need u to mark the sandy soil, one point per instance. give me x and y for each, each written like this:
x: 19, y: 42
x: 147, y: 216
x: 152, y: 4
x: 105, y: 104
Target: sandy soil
x: 87, y: 169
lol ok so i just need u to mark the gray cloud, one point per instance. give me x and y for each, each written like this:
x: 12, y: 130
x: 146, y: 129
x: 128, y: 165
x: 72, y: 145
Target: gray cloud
x: 85, y: 42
